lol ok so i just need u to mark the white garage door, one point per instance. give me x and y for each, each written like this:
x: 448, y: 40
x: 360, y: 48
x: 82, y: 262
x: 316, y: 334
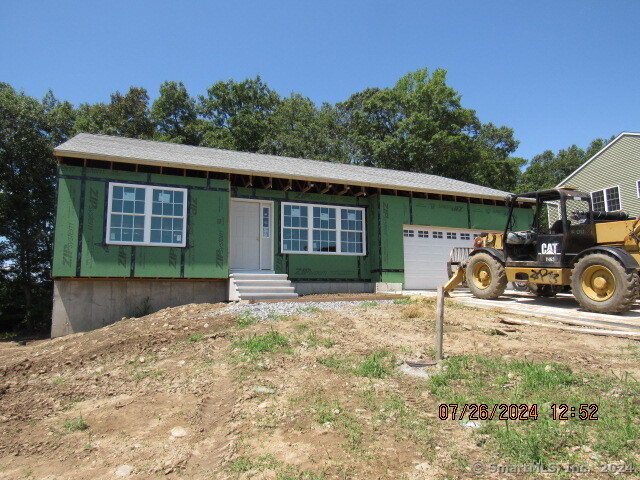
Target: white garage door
x: 426, y: 253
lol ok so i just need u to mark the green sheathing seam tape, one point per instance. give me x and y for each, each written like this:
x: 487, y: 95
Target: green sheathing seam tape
x: 206, y: 253
x: 394, y: 212
x: 65, y: 252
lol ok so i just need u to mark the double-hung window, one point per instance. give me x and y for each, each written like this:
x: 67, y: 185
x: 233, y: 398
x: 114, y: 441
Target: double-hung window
x: 146, y: 215
x: 323, y: 229
x: 606, y: 200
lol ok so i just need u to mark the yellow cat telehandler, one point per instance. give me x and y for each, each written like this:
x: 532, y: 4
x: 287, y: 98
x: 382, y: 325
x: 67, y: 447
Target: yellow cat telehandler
x: 595, y: 254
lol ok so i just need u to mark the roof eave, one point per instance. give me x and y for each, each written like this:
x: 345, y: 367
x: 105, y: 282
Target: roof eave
x: 145, y: 161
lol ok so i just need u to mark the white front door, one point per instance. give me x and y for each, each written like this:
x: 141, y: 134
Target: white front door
x: 250, y: 235
x: 426, y: 253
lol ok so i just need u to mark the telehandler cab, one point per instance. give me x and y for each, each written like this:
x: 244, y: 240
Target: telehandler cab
x: 597, y: 254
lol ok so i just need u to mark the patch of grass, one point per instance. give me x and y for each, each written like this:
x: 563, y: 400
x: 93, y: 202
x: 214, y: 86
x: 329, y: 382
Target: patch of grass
x: 368, y: 304
x: 313, y: 340
x: 332, y: 412
x: 245, y: 464
x: 246, y: 319
x: 332, y: 362
x: 309, y: 309
x: 271, y: 341
x: 76, y: 424
x: 58, y: 380
x: 195, y: 337
x: 490, y: 381
x: 377, y: 365
x: 405, y: 301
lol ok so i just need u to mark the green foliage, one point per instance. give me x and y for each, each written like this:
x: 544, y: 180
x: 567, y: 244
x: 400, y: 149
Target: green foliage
x: 195, y: 337
x: 271, y: 341
x: 378, y: 365
x: 75, y: 424
x: 175, y: 114
x: 548, y: 169
x: 246, y: 318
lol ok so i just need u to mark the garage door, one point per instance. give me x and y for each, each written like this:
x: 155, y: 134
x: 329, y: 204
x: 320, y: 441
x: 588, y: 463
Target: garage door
x: 426, y: 253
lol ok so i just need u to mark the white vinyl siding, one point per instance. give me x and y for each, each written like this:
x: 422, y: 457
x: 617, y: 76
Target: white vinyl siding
x: 323, y: 229
x: 146, y: 215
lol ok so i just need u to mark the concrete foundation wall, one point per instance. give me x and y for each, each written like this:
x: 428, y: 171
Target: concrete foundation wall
x: 83, y: 305
x: 386, y: 287
x: 309, y: 288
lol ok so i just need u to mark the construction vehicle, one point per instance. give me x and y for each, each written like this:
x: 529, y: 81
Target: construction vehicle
x: 594, y: 254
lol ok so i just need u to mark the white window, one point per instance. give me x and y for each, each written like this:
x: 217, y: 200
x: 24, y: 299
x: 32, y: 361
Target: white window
x: 407, y: 233
x: 451, y: 235
x: 465, y: 236
x: 423, y: 234
x: 323, y: 229
x: 437, y: 234
x: 146, y: 215
x: 607, y: 200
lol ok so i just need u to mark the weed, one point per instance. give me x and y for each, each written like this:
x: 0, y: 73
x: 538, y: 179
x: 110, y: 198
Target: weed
x: 301, y: 328
x: 195, y: 337
x: 246, y: 464
x: 370, y: 304
x: 246, y: 319
x: 309, y: 309
x: 405, y: 301
x: 143, y: 309
x: 76, y: 424
x: 377, y: 365
x: 58, y: 380
x: 271, y: 341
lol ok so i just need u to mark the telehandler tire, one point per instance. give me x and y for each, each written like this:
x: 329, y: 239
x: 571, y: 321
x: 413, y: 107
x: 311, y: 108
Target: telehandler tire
x: 486, y: 276
x: 602, y: 284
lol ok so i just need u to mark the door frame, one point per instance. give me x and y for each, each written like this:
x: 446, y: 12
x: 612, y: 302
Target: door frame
x: 268, y: 241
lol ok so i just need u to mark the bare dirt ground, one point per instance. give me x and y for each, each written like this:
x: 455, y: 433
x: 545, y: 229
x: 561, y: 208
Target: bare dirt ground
x: 177, y: 395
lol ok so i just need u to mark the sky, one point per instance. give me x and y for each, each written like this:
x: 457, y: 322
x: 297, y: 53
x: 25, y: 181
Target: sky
x: 558, y: 72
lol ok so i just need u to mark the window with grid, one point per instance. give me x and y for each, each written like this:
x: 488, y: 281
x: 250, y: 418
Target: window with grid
x: 146, y: 215
x: 451, y: 235
x: 351, y: 239
x: 465, y: 236
x: 437, y: 234
x: 295, y: 228
x: 606, y: 200
x: 322, y: 229
x: 407, y: 233
x: 423, y: 234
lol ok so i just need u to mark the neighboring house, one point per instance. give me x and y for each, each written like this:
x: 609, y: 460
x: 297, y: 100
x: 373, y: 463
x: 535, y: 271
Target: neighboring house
x: 145, y: 225
x: 612, y: 176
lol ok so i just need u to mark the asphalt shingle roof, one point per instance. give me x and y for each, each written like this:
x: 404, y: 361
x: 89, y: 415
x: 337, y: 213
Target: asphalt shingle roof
x: 130, y: 150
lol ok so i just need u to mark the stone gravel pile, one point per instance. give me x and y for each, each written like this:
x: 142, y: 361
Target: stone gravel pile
x: 269, y: 310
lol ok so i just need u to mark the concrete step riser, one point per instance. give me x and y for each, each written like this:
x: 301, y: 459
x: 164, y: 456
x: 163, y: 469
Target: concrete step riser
x: 266, y: 283
x: 258, y: 276
x: 248, y: 290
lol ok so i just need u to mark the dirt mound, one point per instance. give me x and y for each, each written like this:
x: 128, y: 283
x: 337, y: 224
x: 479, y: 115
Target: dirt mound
x: 197, y: 392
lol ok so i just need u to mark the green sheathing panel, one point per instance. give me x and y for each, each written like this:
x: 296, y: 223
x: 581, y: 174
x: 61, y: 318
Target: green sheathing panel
x: 394, y: 212
x: 439, y: 213
x: 207, y: 255
x: 373, y: 239
x: 98, y: 258
x: 321, y: 267
x: 523, y: 218
x: 65, y: 252
x: 489, y: 217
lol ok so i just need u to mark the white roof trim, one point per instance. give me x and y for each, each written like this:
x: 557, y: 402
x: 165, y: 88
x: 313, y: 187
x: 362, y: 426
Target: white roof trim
x: 564, y: 182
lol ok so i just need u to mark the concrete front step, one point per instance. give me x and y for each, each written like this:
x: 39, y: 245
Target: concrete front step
x: 260, y: 286
x: 265, y: 283
x: 270, y: 296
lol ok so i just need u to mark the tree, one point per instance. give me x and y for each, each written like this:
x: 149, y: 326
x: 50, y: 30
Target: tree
x: 420, y: 125
x: 297, y: 128
x: 27, y: 170
x: 238, y: 114
x: 176, y: 115
x: 547, y: 169
x: 126, y: 115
